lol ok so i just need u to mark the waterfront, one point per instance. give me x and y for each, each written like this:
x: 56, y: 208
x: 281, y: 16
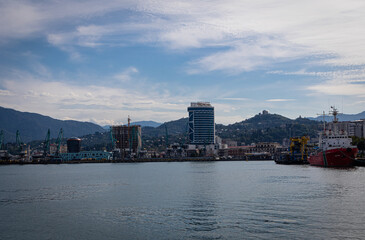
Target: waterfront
x: 181, y: 200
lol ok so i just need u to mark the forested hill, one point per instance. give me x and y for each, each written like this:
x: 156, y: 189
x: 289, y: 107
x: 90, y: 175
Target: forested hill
x: 33, y: 126
x: 260, y: 128
x: 268, y: 128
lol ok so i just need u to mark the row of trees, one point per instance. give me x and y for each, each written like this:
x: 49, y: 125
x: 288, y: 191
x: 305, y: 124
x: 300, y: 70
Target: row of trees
x: 360, y: 143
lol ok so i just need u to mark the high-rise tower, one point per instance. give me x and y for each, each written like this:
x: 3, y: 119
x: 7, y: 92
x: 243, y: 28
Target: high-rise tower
x: 201, y: 123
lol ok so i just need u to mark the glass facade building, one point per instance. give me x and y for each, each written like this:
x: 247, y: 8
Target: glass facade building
x: 201, y: 123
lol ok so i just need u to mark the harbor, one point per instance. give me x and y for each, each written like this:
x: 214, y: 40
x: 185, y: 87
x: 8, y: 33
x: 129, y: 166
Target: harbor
x: 175, y: 200
x: 182, y: 120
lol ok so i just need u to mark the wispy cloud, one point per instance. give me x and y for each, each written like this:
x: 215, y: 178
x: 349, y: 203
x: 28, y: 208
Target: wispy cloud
x: 5, y: 93
x: 333, y: 87
x: 233, y: 99
x: 280, y: 100
x: 231, y: 38
x: 26, y: 91
x: 249, y: 55
x: 291, y: 29
x: 127, y: 74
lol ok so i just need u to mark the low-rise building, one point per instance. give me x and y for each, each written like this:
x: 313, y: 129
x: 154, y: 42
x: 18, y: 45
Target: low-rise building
x: 353, y: 128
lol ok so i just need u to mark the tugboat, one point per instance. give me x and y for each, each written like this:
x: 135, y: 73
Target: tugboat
x: 298, y: 152
x: 334, y: 148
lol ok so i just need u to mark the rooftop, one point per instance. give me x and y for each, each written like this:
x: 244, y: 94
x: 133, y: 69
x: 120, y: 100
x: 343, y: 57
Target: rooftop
x: 200, y: 104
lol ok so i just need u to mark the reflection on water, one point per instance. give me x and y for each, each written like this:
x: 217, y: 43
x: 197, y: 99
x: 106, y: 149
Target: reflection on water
x: 200, y: 213
x: 211, y: 200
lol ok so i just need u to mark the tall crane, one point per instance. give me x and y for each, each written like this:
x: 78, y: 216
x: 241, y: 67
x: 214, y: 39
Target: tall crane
x: 1, y: 140
x: 129, y: 133
x: 18, y: 140
x: 112, y: 138
x: 59, y: 141
x: 18, y: 143
x: 167, y: 136
x: 46, y: 143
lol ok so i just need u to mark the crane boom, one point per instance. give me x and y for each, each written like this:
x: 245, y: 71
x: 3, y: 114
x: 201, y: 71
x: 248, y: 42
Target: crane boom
x: 1, y: 139
x: 112, y: 138
x: 46, y: 143
x: 167, y: 136
x: 59, y: 141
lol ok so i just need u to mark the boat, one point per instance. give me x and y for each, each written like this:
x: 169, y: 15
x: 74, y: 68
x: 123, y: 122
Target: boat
x: 335, y: 147
x: 297, y: 152
x: 359, y: 162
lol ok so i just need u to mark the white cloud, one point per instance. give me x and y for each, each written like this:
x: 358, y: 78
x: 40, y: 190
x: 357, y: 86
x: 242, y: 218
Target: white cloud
x: 5, y: 93
x: 233, y: 99
x: 242, y: 35
x: 280, y: 100
x: 249, y: 55
x: 339, y: 89
x: 62, y: 99
x: 127, y: 74
x: 109, y: 104
x: 293, y: 29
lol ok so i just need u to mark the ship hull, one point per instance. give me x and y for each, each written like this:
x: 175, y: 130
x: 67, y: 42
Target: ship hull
x: 339, y: 157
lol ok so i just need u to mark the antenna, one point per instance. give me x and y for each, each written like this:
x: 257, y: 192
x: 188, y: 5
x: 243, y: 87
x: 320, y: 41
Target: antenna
x: 334, y: 112
x: 129, y: 133
x: 324, y: 120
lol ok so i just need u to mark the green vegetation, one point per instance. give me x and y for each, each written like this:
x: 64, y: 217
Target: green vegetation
x: 34, y: 126
x: 360, y: 143
x: 268, y: 128
x: 260, y: 128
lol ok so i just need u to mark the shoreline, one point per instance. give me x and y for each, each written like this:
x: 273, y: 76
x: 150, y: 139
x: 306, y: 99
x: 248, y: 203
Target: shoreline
x: 137, y: 160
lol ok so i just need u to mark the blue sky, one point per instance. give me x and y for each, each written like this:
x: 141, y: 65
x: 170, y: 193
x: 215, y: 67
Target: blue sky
x: 102, y: 61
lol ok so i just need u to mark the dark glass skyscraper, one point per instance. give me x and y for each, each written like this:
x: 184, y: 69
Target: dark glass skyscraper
x: 201, y: 123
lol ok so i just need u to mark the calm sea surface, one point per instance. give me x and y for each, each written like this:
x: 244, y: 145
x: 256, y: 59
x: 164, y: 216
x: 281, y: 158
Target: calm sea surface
x: 189, y: 200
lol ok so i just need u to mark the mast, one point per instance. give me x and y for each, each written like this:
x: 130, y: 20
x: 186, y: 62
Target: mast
x: 129, y: 133
x: 334, y: 113
x: 324, y: 121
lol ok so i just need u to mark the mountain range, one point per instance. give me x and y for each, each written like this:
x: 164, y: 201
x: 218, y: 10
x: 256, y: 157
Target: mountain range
x: 141, y: 123
x: 260, y: 128
x: 33, y: 126
x: 341, y: 117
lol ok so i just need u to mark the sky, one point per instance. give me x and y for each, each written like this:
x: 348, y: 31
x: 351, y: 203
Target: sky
x: 101, y: 61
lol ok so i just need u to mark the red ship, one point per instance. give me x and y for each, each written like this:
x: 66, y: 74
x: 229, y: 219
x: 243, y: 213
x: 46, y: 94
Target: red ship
x: 335, y: 148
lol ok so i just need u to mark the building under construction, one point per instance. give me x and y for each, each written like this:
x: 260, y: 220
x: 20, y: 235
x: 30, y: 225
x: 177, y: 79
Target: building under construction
x: 127, y: 138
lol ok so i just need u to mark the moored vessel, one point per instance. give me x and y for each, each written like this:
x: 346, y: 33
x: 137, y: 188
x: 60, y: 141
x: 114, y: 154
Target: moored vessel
x: 334, y: 148
x: 297, y: 152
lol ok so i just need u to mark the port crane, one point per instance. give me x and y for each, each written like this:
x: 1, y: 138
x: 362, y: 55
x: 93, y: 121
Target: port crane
x: 59, y: 141
x: 46, y: 143
x: 112, y: 139
x: 1, y: 140
x: 167, y: 136
x: 18, y: 141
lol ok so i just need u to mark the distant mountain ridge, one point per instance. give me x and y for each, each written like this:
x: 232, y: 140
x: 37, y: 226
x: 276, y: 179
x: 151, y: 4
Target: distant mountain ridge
x: 260, y: 128
x: 173, y: 128
x: 142, y: 123
x: 267, y: 128
x: 33, y: 126
x: 147, y: 124
x: 341, y: 117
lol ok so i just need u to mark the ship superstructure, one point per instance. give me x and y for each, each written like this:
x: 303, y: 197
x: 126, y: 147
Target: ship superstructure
x: 335, y: 147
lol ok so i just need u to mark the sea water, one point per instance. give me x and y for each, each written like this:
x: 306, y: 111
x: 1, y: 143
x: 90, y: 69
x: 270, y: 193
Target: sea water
x: 181, y: 200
